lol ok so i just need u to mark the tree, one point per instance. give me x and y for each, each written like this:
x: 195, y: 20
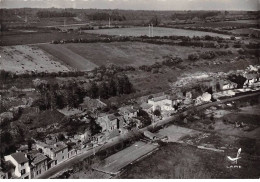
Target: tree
x: 61, y: 137
x: 93, y: 91
x: 144, y: 117
x: 103, y: 91
x: 112, y: 87
x: 94, y: 127
x: 157, y: 112
x: 155, y: 21
x: 238, y: 79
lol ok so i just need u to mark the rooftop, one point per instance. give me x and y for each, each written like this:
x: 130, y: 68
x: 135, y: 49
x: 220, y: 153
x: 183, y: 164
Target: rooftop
x: 19, y: 157
x: 37, y: 157
x: 157, y: 99
x: 58, y: 147
x: 146, y: 106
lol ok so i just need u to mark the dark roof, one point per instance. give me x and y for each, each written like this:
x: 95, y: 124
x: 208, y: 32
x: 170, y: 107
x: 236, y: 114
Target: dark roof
x: 19, y: 157
x: 146, y: 106
x: 112, y: 117
x: 38, y: 157
x: 58, y: 147
x: 157, y: 99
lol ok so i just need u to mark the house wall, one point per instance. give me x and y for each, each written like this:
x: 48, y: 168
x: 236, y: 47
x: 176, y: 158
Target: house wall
x: 39, y: 169
x: 19, y: 167
x: 129, y: 116
x: 160, y: 104
x: 61, y: 155
x: 106, y: 124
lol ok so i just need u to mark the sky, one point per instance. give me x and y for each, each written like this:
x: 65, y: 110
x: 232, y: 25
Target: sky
x: 137, y: 4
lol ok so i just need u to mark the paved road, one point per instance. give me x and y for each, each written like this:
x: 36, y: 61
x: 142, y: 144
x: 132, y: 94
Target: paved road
x: 128, y: 136
x: 87, y: 154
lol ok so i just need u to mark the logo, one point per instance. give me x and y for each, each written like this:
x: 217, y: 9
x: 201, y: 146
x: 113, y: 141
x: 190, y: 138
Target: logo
x: 234, y: 160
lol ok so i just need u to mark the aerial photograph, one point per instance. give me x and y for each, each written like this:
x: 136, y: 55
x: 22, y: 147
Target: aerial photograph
x: 129, y: 89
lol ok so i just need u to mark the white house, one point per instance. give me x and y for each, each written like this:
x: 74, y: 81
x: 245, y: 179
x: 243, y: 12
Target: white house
x: 21, y: 163
x: 162, y: 103
x: 58, y: 152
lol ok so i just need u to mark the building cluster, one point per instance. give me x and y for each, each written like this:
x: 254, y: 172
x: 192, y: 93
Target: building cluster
x: 31, y: 162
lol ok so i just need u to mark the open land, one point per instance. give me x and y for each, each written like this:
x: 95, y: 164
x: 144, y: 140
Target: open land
x: 158, y: 31
x: 22, y: 59
x: 177, y: 161
x: 118, y: 53
x: 69, y: 57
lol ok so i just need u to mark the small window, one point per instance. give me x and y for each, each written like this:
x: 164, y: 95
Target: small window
x: 22, y: 164
x: 22, y: 171
x: 62, y: 157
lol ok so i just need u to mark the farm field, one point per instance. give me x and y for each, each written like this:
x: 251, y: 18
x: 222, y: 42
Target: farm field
x: 22, y: 59
x: 158, y: 31
x: 177, y: 161
x: 68, y: 56
x: 21, y: 38
x: 115, y: 163
x: 123, y: 53
x: 221, y: 24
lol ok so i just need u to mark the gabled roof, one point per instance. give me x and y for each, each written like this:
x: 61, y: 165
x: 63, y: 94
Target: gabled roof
x: 19, y: 157
x: 145, y: 106
x: 157, y: 99
x: 38, y: 157
x: 58, y: 147
x: 127, y: 109
x: 112, y: 117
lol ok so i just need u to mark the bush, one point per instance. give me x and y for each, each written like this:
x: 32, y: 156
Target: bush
x: 193, y: 57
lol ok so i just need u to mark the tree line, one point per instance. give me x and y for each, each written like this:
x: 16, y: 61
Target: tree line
x: 117, y: 85
x: 102, y: 16
x: 50, y: 14
x: 54, y: 96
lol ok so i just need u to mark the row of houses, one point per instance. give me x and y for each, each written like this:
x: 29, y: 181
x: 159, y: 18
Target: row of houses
x: 27, y: 163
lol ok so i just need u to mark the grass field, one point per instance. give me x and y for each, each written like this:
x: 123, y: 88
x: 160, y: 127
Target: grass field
x: 21, y: 59
x: 123, y: 53
x: 221, y: 24
x: 21, y: 38
x: 158, y: 31
x: 120, y: 160
x: 176, y: 133
x: 68, y: 56
x: 176, y: 161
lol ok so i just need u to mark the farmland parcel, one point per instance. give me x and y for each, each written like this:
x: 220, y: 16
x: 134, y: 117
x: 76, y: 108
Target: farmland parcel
x: 157, y: 31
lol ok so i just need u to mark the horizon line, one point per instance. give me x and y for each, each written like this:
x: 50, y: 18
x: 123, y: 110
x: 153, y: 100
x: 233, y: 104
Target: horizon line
x: 123, y: 9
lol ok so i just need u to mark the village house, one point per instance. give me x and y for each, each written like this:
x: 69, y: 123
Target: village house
x: 162, y: 103
x: 21, y: 163
x: 251, y: 78
x: 99, y: 138
x: 128, y: 112
x: 38, y: 163
x: 110, y: 122
x: 226, y: 85
x: 147, y: 107
x: 205, y: 97
x: 58, y: 152
x: 112, y: 125
x: 83, y: 137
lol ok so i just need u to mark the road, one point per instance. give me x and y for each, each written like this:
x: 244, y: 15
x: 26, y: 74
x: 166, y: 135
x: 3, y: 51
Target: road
x: 130, y: 135
x: 80, y: 157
